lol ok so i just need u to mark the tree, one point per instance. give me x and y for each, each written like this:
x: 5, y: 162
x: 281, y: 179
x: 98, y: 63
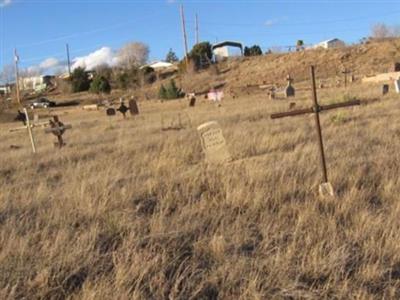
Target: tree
x: 162, y: 92
x: 99, y: 85
x: 171, y: 57
x: 299, y: 45
x: 171, y: 91
x: 80, y: 80
x: 380, y: 31
x: 7, y: 75
x: 133, y: 54
x: 200, y: 52
x: 254, y: 50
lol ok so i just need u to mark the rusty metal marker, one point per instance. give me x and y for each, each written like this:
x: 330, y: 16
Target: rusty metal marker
x: 325, y: 189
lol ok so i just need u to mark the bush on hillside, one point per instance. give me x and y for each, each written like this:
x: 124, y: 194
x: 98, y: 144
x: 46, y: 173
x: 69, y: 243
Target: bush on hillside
x: 80, y: 80
x: 171, y: 91
x: 254, y: 50
x: 99, y: 85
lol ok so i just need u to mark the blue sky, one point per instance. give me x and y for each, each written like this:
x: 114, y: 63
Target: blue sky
x: 39, y: 29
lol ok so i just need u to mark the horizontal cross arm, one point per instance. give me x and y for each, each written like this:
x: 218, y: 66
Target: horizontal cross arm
x: 338, y: 105
x: 292, y: 113
x: 55, y: 129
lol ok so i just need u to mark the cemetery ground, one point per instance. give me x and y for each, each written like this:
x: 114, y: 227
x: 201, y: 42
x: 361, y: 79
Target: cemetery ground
x: 128, y: 211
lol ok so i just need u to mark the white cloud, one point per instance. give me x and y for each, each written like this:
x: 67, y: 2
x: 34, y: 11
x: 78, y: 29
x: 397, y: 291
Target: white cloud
x: 49, y: 63
x: 48, y: 66
x: 99, y: 57
x: 272, y: 22
x: 5, y: 3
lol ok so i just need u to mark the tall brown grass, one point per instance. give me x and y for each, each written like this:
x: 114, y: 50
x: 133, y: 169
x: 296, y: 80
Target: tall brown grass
x: 127, y: 211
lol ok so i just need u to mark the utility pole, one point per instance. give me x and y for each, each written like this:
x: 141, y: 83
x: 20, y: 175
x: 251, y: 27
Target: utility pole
x: 68, y: 60
x: 197, y: 29
x: 184, y: 36
x: 16, y: 59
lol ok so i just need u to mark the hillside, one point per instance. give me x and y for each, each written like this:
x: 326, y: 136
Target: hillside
x: 128, y: 211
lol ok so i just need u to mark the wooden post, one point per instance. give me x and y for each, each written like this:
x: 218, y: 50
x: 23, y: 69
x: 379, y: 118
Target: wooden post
x: 318, y: 126
x: 28, y: 125
x: 184, y: 37
x: 16, y: 59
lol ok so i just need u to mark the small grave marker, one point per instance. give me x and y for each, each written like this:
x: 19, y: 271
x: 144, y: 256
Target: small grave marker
x: 385, y: 89
x: 192, y: 102
x: 213, y: 143
x: 110, y: 112
x: 397, y: 86
x: 58, y: 129
x: 123, y: 109
x: 325, y: 188
x: 133, y: 107
x: 289, y: 90
x: 346, y: 72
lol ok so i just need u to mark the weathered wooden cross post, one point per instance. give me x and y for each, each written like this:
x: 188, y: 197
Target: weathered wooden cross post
x: 29, y: 127
x: 325, y: 188
x: 57, y: 128
x: 345, y: 72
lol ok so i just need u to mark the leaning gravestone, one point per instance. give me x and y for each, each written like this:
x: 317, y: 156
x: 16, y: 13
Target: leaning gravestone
x: 133, y: 107
x: 385, y: 89
x: 213, y: 143
x: 397, y: 86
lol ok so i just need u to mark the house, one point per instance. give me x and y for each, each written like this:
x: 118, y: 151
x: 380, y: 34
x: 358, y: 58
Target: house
x: 330, y: 44
x: 5, y: 89
x: 222, y: 50
x: 36, y: 83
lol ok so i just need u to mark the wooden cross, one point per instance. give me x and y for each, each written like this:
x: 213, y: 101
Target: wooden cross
x: 325, y: 187
x: 289, y: 79
x: 345, y: 72
x: 57, y: 128
x: 29, y: 127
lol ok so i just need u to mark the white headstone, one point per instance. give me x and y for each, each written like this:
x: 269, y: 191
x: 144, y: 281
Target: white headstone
x: 213, y: 143
x: 397, y: 86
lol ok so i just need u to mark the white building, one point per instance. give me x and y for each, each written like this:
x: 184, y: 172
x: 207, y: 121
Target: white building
x: 330, y: 44
x: 36, y: 83
x: 224, y: 49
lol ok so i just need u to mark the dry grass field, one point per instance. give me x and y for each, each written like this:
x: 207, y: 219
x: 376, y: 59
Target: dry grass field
x: 127, y: 211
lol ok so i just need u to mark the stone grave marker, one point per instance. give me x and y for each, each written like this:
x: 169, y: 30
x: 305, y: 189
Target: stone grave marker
x: 213, y: 143
x: 289, y: 90
x: 133, y: 107
x: 58, y: 129
x: 192, y: 102
x: 397, y: 86
x: 385, y: 89
x: 110, y: 112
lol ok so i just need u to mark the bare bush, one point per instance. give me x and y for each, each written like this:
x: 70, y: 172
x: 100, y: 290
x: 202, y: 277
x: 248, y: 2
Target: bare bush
x: 133, y: 54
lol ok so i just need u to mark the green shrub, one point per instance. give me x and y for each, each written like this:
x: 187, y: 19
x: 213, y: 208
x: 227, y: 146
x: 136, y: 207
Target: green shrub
x: 201, y: 52
x: 100, y: 85
x: 252, y: 51
x: 171, y: 91
x: 171, y: 57
x: 80, y: 80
